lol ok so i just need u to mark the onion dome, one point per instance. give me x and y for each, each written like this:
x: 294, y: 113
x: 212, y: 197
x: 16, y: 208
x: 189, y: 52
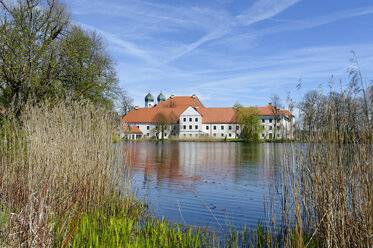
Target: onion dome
x: 149, y: 98
x: 161, y: 97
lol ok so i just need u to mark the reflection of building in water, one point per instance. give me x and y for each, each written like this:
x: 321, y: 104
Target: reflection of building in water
x: 206, y: 156
x: 158, y: 161
x: 186, y: 163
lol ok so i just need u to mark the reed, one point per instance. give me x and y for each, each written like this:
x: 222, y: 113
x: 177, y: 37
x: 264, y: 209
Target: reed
x: 326, y: 189
x: 57, y: 162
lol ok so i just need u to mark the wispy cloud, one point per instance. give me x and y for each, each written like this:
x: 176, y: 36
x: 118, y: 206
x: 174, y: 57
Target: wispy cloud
x: 316, y: 21
x: 260, y: 10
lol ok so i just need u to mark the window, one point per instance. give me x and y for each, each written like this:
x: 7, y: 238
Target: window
x: 196, y: 126
x: 270, y: 127
x: 222, y: 127
x: 270, y: 120
x: 190, y: 126
x: 147, y: 127
x: 207, y: 127
x: 230, y: 127
x: 214, y: 134
x: 237, y: 127
x: 184, y: 134
x: 263, y: 120
x: 222, y: 135
x: 184, y: 127
x: 214, y: 127
x: 190, y: 119
x: 190, y: 135
x: 263, y: 126
x: 165, y: 134
x: 196, y: 119
x: 138, y: 126
x: 263, y: 135
x: 196, y: 134
x: 147, y: 134
x: 230, y: 135
x: 184, y: 119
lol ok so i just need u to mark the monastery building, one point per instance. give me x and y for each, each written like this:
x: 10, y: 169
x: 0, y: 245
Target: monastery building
x: 186, y: 117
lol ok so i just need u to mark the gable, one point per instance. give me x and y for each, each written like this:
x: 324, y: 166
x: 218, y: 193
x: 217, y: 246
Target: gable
x: 190, y: 111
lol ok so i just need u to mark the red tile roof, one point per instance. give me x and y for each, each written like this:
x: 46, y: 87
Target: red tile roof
x: 131, y: 129
x: 218, y: 115
x: 228, y: 115
x: 173, y: 107
x: 181, y: 101
x: 148, y: 115
x: 287, y: 113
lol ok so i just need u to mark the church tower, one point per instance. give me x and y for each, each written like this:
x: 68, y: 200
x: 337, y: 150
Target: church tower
x: 149, y: 100
x: 161, y: 98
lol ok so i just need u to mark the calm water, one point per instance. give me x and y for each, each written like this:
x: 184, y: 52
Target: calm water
x: 197, y: 183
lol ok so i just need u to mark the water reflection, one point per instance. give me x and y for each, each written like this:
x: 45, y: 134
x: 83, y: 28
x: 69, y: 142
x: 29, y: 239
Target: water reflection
x: 214, y: 183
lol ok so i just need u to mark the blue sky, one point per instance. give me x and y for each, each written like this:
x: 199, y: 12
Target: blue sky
x: 228, y: 51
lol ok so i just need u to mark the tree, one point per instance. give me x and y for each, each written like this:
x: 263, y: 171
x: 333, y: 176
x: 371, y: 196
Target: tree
x: 276, y: 105
x: 29, y: 33
x: 87, y: 70
x: 249, y: 121
x: 125, y: 104
x: 311, y: 109
x: 43, y: 57
x: 162, y: 123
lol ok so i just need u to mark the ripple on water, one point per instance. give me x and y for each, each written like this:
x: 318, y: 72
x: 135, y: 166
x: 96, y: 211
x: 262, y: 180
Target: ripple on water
x: 214, y: 184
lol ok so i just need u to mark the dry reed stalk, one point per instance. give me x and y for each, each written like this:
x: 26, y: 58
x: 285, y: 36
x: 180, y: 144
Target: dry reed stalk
x: 327, y: 181
x: 63, y: 157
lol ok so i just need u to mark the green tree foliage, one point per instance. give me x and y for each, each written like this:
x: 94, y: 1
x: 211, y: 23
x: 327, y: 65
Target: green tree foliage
x: 43, y: 56
x: 249, y: 121
x: 86, y: 68
x: 162, y: 123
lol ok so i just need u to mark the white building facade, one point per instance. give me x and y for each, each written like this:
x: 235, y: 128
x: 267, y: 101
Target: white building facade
x: 186, y: 117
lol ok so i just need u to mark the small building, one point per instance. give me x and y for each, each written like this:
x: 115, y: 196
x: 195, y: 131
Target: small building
x: 186, y: 117
x: 131, y: 132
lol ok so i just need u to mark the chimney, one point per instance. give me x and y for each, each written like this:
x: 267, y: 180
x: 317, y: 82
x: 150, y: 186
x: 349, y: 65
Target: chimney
x: 269, y: 103
x: 136, y: 107
x: 194, y: 96
x: 172, y: 96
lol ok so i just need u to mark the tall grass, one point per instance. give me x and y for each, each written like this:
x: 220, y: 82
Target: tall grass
x: 327, y: 182
x: 56, y: 162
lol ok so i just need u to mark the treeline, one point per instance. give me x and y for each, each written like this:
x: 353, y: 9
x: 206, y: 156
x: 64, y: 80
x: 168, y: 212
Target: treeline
x: 347, y: 113
x: 43, y: 56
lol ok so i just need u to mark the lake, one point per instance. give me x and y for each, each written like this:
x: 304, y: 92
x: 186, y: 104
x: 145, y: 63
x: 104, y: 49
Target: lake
x: 217, y: 184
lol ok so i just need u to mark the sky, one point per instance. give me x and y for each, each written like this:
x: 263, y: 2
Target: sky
x: 227, y: 51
